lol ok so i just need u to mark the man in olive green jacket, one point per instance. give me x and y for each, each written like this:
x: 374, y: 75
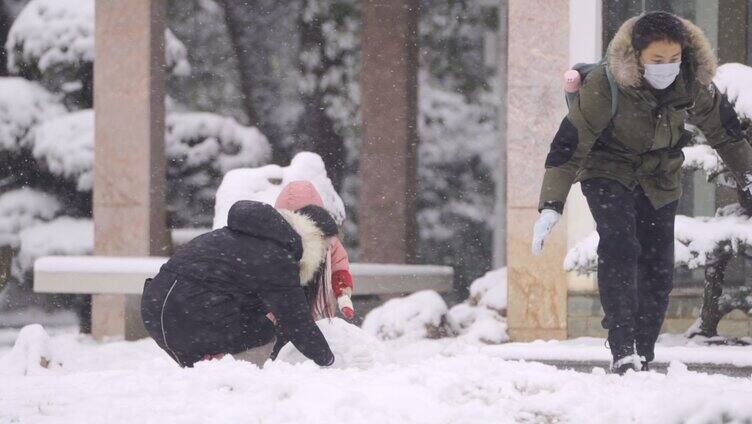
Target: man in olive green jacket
x: 630, y: 166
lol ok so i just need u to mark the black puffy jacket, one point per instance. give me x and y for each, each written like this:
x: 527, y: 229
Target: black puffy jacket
x: 252, y: 264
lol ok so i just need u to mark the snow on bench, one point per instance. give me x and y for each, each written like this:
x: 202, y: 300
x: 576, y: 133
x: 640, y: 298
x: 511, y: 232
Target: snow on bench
x: 126, y: 275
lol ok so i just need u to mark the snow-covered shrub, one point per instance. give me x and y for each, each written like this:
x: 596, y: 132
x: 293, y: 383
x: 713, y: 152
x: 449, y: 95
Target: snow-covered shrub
x: 53, y: 41
x: 417, y: 316
x: 482, y: 317
x: 265, y: 183
x: 24, y: 207
x: 352, y: 347
x: 23, y: 104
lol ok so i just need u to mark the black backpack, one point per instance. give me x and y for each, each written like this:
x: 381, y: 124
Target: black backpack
x: 584, y: 69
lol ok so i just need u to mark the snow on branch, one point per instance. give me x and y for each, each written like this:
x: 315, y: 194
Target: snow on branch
x: 698, y: 241
x: 23, y: 104
x: 735, y: 80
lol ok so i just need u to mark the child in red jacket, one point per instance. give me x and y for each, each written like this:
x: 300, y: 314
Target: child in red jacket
x: 299, y: 194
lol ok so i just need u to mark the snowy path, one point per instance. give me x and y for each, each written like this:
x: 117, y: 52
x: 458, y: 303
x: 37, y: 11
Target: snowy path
x: 422, y: 382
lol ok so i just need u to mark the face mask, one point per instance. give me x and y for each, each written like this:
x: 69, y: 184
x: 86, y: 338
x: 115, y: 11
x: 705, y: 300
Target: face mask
x: 661, y: 76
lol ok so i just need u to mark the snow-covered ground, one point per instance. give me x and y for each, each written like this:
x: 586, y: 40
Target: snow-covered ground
x: 402, y: 381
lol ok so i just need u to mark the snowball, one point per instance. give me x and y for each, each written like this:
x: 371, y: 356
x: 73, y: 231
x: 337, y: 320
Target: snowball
x: 59, y: 34
x: 30, y: 353
x: 23, y: 104
x: 352, y: 347
x: 24, y: 207
x: 264, y: 185
x: 417, y: 316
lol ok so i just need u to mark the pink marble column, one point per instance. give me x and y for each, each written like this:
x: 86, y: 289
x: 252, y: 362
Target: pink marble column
x: 129, y: 165
x: 388, y: 163
x: 538, y: 55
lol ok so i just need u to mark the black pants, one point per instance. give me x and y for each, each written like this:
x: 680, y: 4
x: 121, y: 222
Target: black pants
x: 189, y: 318
x: 635, y: 264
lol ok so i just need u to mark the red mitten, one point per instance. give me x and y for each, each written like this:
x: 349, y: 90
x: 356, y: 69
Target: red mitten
x: 341, y: 281
x: 342, y: 284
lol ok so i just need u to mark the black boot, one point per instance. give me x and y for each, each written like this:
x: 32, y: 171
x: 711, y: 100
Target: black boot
x: 622, y: 365
x: 645, y: 366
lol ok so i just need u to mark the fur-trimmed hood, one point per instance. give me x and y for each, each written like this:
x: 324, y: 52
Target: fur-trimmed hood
x: 315, y: 244
x: 624, y: 65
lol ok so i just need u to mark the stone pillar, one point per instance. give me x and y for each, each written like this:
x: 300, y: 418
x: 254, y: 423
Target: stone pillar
x: 129, y: 164
x: 388, y: 164
x: 537, y: 306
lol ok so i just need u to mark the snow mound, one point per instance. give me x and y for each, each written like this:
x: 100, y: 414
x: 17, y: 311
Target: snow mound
x: 24, y: 207
x: 735, y: 80
x: 30, y: 354
x: 482, y: 317
x: 65, y: 145
x: 265, y: 183
x: 23, y: 104
x: 352, y: 347
x: 59, y: 34
x: 417, y: 316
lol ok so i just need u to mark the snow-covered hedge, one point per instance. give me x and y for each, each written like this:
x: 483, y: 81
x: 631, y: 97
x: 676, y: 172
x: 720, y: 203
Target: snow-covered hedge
x: 265, y: 183
x: 482, y: 317
x: 58, y: 35
x: 417, y: 316
x: 23, y: 104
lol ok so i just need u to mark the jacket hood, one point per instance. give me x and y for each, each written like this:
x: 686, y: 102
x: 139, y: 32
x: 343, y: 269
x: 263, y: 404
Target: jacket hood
x: 296, y: 231
x: 624, y: 65
x: 261, y: 220
x: 298, y: 194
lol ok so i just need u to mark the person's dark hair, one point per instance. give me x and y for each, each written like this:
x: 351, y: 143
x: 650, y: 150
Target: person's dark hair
x: 658, y: 26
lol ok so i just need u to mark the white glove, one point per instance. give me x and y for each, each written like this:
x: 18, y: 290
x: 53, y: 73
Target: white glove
x: 546, y: 221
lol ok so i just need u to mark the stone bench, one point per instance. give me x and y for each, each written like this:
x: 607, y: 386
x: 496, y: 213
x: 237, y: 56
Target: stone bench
x: 126, y: 275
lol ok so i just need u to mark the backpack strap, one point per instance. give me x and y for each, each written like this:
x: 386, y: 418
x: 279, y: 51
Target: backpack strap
x: 614, y: 91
